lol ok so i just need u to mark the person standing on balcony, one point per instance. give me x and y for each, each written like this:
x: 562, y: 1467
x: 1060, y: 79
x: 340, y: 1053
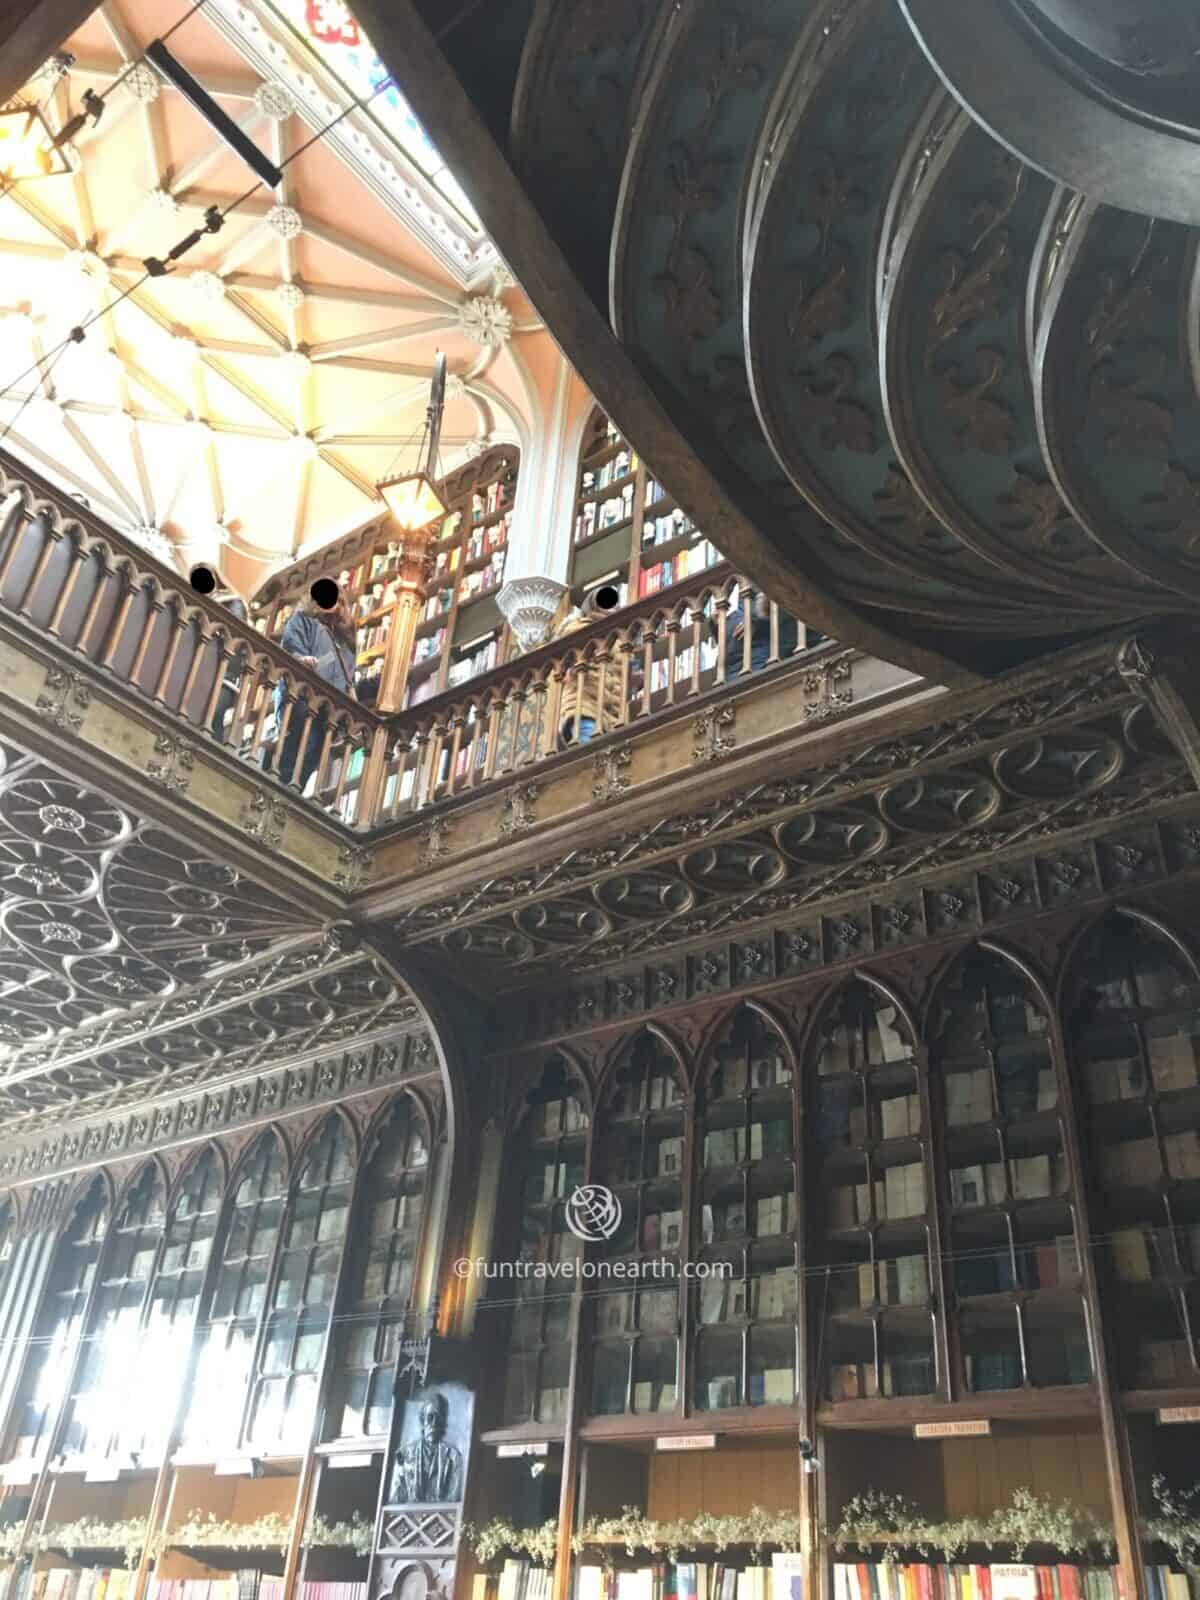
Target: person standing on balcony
x: 323, y: 641
x: 759, y: 608
x: 232, y: 666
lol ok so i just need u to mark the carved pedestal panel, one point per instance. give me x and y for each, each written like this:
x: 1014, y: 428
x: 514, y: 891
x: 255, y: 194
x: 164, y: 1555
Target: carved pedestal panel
x: 419, y: 1527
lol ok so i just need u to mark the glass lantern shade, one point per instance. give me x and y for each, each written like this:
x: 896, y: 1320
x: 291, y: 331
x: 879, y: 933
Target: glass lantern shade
x: 413, y: 501
x: 27, y: 148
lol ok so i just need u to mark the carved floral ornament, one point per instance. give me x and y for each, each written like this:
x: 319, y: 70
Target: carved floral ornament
x: 361, y: 1080
x: 898, y: 828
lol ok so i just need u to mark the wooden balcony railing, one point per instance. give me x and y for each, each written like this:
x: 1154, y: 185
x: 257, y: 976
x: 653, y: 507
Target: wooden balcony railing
x: 612, y: 674
x: 104, y: 598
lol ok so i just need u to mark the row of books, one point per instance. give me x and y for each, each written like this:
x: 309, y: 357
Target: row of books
x: 1141, y: 1254
x: 1028, y: 1178
x: 655, y: 1092
x: 375, y: 596
x: 1052, y: 1265
x: 685, y: 660
x: 593, y: 479
x: 686, y: 564
x: 430, y: 645
x: 1138, y: 1161
x: 885, y: 1044
x: 596, y: 515
x: 374, y: 637
x: 688, y: 1581
x: 1165, y: 1361
x: 116, y: 1583
x: 729, y: 1147
x: 438, y: 603
x: 1172, y: 1066
x: 902, y: 1281
x: 878, y: 1580
x: 485, y: 502
x: 480, y: 660
x: 552, y: 1180
x: 771, y: 1214
x: 969, y: 1095
x: 666, y: 526
x: 484, y: 579
x: 734, y: 1074
x: 897, y: 1195
x: 447, y: 562
x: 559, y: 1117
x: 901, y: 1375
x: 771, y: 1297
x: 484, y: 540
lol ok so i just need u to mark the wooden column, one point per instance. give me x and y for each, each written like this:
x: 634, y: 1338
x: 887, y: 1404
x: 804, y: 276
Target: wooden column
x: 413, y: 572
x: 1162, y: 666
x: 1118, y: 1460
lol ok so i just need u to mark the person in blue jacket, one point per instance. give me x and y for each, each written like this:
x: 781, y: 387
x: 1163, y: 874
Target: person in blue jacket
x: 322, y: 641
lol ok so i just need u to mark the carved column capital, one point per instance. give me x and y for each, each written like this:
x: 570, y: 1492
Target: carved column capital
x: 529, y: 605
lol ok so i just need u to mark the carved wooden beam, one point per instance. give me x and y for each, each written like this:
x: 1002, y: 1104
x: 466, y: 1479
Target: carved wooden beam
x: 31, y: 32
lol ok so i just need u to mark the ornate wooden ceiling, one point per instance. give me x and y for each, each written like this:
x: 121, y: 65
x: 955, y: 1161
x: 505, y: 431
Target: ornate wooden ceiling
x: 240, y: 409
x: 132, y: 965
x: 928, y: 394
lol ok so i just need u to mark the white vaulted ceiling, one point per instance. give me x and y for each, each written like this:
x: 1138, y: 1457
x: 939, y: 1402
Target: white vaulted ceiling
x: 241, y: 409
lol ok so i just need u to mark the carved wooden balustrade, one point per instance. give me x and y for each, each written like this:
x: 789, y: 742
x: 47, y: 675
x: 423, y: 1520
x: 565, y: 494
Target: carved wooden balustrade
x: 67, y: 575
x: 107, y: 600
x: 609, y: 675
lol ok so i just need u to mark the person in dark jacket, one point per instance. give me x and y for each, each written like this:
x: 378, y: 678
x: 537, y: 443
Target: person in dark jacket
x: 322, y: 641
x: 760, y: 635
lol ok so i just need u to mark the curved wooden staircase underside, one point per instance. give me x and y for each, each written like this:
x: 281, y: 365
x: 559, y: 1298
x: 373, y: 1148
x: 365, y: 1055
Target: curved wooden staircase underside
x: 946, y: 408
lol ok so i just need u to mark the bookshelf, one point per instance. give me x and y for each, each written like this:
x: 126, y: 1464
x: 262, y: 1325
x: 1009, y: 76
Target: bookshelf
x: 628, y: 531
x: 1137, y: 1027
x: 553, y: 1161
x: 745, y: 1323
x: 642, y: 1146
x: 459, y: 631
x: 1012, y: 1230
x: 871, y: 1170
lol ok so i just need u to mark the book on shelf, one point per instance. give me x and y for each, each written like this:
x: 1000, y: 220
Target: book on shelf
x: 904, y: 1191
x: 649, y: 1395
x: 1132, y: 1162
x: 1172, y: 1061
x: 773, y: 1386
x: 787, y: 1575
x: 1183, y: 1153
x: 1130, y: 1255
x: 778, y: 1293
x: 978, y: 1185
x: 670, y: 1157
x: 900, y: 1116
x: 968, y: 1096
x: 773, y: 1214
x: 993, y: 1369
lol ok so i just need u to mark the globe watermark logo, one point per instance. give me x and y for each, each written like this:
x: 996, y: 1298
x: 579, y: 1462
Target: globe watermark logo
x: 593, y: 1212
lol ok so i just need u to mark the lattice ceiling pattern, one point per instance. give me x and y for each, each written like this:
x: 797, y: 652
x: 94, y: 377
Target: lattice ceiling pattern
x: 241, y: 408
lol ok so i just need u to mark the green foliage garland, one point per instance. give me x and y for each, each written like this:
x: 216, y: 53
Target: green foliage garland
x: 1177, y: 1524
x: 874, y: 1518
x: 201, y: 1532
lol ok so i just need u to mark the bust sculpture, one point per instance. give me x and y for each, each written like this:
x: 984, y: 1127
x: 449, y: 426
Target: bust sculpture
x: 428, y: 1469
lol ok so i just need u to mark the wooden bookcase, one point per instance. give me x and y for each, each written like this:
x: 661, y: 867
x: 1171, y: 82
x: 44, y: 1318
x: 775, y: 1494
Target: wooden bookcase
x: 461, y: 632
x: 627, y: 530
